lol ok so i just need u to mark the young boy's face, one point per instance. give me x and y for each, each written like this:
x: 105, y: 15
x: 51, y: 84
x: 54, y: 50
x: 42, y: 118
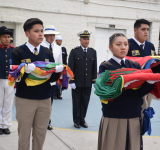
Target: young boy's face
x: 35, y: 35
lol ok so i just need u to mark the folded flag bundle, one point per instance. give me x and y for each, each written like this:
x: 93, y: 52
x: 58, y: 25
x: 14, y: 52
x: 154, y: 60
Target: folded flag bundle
x: 112, y: 82
x: 146, y: 63
x: 41, y: 74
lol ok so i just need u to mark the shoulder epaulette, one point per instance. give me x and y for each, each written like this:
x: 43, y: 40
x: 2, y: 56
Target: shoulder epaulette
x: 76, y: 47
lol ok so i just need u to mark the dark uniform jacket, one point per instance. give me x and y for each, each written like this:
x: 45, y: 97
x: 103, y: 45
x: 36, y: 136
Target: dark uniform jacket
x: 5, y: 60
x: 128, y: 104
x: 136, y: 51
x: 83, y: 67
x: 64, y: 55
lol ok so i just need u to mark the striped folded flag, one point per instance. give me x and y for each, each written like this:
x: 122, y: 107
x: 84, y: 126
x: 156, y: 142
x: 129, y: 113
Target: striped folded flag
x: 112, y: 82
x: 41, y: 74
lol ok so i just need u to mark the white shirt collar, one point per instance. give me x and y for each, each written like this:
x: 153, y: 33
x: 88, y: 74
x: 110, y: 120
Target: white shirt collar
x: 48, y: 44
x: 31, y: 47
x: 138, y: 42
x: 84, y: 48
x: 118, y: 60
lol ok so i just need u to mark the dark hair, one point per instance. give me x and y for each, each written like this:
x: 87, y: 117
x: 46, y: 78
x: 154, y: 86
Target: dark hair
x: 138, y: 23
x: 30, y: 22
x: 112, y: 38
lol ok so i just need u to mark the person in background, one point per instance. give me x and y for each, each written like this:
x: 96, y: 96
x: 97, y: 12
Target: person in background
x: 6, y: 91
x: 58, y: 40
x: 33, y: 103
x: 138, y: 45
x: 48, y: 42
x: 83, y: 62
x: 11, y: 42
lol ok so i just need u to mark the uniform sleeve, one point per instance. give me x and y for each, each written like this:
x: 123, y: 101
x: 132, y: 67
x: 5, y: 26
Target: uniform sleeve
x: 51, y: 58
x: 102, y: 68
x: 15, y: 57
x: 129, y: 52
x: 54, y: 77
x: 145, y: 88
x: 153, y: 48
x: 94, y: 70
x: 71, y: 63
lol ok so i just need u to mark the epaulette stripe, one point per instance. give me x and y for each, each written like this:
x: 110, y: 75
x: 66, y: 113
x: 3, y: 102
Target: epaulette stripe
x: 76, y: 47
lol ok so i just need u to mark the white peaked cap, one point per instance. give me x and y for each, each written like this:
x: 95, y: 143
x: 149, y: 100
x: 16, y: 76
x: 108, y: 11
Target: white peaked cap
x: 84, y: 33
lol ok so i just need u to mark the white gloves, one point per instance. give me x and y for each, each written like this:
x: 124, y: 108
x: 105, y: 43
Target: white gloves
x: 73, y: 86
x: 92, y: 86
x: 59, y: 68
x: 29, y: 68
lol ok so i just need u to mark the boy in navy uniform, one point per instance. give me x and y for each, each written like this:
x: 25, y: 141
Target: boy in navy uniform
x: 33, y: 103
x: 83, y: 63
x: 6, y: 91
x: 138, y: 45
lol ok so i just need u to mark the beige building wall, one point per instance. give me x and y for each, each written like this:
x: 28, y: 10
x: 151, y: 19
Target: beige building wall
x: 70, y: 16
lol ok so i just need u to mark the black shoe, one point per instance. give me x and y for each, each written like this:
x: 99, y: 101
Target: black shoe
x: 59, y: 97
x: 1, y: 131
x: 49, y: 127
x: 55, y: 97
x: 84, y: 125
x: 77, y: 125
x: 6, y: 131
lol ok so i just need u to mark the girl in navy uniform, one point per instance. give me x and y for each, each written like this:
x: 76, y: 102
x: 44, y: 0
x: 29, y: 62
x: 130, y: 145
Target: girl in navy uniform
x: 120, y: 127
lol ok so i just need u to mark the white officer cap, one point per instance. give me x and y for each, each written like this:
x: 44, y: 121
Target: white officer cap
x: 84, y: 33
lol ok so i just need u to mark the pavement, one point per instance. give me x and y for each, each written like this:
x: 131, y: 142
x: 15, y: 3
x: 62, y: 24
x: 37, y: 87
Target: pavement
x: 65, y: 137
